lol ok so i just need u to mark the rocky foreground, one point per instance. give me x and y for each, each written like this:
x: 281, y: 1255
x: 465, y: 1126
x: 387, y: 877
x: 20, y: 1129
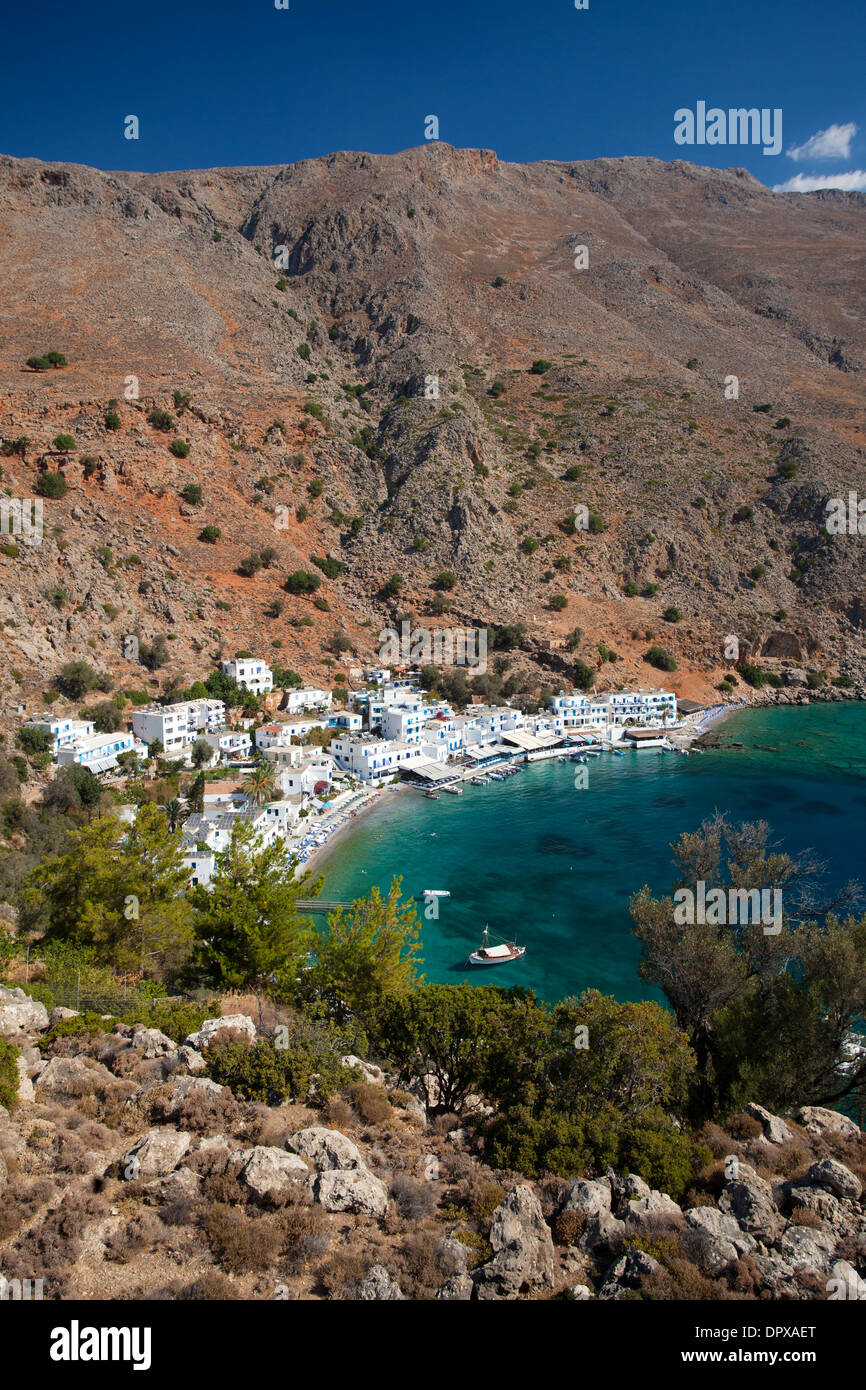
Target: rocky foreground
x: 126, y: 1172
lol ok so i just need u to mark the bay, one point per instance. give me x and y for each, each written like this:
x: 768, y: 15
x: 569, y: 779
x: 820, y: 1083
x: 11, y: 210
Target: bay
x: 553, y: 866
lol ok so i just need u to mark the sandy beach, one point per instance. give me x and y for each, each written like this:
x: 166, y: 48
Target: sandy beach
x: 347, y: 821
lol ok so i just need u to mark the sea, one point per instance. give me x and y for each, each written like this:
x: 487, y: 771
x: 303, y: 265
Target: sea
x: 551, y: 863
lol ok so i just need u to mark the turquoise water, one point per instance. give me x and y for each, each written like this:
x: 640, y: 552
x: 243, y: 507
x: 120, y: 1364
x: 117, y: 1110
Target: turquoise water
x: 553, y: 867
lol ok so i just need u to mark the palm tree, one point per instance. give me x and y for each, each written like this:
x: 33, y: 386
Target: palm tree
x: 175, y: 813
x: 260, y: 783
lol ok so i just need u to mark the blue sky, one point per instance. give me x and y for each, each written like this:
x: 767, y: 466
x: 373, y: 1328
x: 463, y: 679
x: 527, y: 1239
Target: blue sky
x: 224, y: 83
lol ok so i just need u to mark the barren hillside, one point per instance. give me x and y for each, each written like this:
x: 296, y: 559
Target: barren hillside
x: 306, y: 310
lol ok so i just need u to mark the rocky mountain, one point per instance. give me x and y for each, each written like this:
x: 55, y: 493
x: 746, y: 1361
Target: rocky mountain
x: 352, y: 340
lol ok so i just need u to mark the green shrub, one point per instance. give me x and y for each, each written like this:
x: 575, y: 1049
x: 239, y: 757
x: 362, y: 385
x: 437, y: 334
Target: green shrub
x: 630, y: 589
x: 112, y: 420
x: 661, y: 659
x: 316, y: 487
x: 584, y: 676
x: 191, y: 493
x: 51, y: 485
x: 302, y: 582
x: 672, y: 615
x: 445, y: 580
x: 87, y: 1023
x: 752, y: 674
x: 540, y: 366
x: 330, y: 567
x: 392, y: 586
x: 160, y: 419
x: 176, y: 1020
x: 211, y: 534
x: 265, y: 1072
x: 8, y: 1074
x: 180, y: 448
x: 41, y: 993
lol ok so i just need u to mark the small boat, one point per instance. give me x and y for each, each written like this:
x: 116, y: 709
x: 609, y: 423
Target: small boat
x: 436, y: 893
x: 480, y: 781
x: 618, y: 752
x: 454, y: 791
x: 432, y: 796
x: 495, y: 955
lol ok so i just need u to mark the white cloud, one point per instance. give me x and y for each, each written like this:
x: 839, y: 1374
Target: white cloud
x: 832, y: 143
x: 855, y: 182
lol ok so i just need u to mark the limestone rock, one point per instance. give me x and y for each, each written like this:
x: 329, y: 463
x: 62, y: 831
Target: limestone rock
x: 179, y: 1186
x: 775, y: 1129
x: 211, y: 1026
x: 749, y: 1198
x: 150, y: 1042
x: 804, y: 1250
x: 184, y: 1086
x: 628, y: 1272
x: 20, y: 1014
x: 640, y: 1209
x: 327, y: 1149
x: 371, y: 1073
x: 722, y: 1240
x: 58, y: 1014
x: 458, y: 1289
x: 604, y: 1232
x: 593, y: 1197
x: 379, y: 1287
x: 157, y: 1153
x: 816, y: 1120
x: 840, y: 1180
x: 26, y: 1093
x: 270, y: 1172
x: 522, y: 1245
x: 72, y: 1077
x: 354, y: 1189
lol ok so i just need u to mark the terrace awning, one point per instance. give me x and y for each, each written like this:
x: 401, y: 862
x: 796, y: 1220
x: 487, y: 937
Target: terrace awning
x: 100, y: 765
x: 431, y: 772
x: 531, y: 743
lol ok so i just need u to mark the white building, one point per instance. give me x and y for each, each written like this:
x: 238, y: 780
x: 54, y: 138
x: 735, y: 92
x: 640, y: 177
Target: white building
x: 98, y: 752
x: 374, y: 759
x: 229, y: 744
x: 308, y: 698
x: 61, y: 732
x: 608, y: 714
x: 178, y: 726
x: 251, y: 673
x: 302, y: 781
